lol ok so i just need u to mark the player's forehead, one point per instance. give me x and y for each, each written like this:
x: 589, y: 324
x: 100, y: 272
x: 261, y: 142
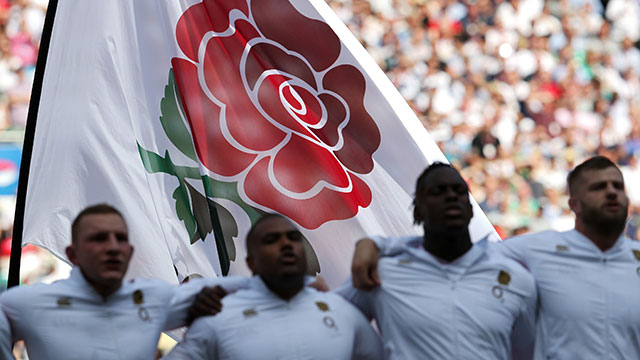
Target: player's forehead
x: 107, y: 222
x: 443, y: 176
x: 608, y: 174
x: 274, y: 225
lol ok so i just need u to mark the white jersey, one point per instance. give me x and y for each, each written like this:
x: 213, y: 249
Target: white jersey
x: 589, y: 299
x: 69, y: 320
x: 480, y: 306
x: 257, y: 324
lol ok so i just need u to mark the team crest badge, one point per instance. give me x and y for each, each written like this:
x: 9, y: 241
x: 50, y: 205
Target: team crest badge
x: 138, y: 297
x: 64, y: 301
x: 322, y: 306
x: 504, y: 278
x: 250, y: 312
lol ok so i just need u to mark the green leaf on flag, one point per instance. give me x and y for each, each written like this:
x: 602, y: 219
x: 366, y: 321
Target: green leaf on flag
x: 200, y: 208
x: 206, y: 212
x: 172, y: 119
x: 154, y: 163
x: 229, y: 228
x: 183, y: 209
x: 198, y: 212
x: 229, y: 191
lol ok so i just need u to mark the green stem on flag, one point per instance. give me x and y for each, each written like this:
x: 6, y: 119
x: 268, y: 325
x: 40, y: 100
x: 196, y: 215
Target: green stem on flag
x: 154, y: 163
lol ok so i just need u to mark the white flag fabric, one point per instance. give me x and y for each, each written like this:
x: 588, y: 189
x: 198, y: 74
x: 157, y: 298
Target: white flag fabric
x: 180, y: 113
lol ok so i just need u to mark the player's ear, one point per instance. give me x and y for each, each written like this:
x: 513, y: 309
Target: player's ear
x: 71, y: 254
x: 417, y: 217
x: 574, y: 205
x: 250, y: 263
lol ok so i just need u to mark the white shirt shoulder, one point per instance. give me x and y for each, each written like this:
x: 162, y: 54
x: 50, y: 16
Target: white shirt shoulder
x: 523, y: 248
x: 519, y: 277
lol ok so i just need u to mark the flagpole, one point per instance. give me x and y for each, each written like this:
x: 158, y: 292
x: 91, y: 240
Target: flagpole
x: 27, y: 146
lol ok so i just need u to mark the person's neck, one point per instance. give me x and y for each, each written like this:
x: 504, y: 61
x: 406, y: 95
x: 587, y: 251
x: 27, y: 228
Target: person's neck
x: 447, y: 244
x: 603, y: 239
x: 104, y: 290
x: 285, y: 287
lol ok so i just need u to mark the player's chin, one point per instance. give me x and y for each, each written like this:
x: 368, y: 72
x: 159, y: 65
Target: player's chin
x: 614, y: 214
x: 112, y: 275
x: 455, y: 223
x: 293, y: 270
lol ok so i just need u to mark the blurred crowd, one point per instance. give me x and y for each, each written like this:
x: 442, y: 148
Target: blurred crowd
x: 21, y: 24
x: 516, y: 92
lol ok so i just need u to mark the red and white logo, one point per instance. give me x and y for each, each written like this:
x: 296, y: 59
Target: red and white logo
x: 271, y: 107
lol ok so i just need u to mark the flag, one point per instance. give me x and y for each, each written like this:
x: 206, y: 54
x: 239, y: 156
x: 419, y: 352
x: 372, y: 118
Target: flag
x: 194, y: 118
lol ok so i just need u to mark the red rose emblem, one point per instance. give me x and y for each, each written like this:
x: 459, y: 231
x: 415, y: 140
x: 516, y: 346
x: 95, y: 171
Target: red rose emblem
x: 269, y: 108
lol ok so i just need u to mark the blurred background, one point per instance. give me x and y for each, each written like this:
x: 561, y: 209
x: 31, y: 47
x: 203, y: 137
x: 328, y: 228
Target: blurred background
x: 515, y: 92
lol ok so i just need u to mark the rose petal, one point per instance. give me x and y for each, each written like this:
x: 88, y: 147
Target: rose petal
x: 336, y: 114
x: 310, y: 213
x: 265, y: 57
x: 302, y: 99
x: 313, y: 39
x: 222, y: 74
x: 214, y: 151
x: 201, y: 18
x: 272, y: 104
x: 361, y: 135
x: 301, y: 164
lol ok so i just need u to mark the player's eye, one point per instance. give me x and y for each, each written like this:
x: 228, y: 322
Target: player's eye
x: 269, y: 239
x: 294, y: 235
